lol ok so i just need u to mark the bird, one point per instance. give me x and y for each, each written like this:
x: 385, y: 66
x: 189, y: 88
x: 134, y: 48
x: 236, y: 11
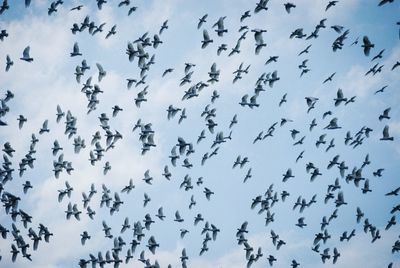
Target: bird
x: 248, y: 175
x: 245, y: 15
x: 27, y: 185
x: 183, y: 232
x: 287, y: 175
x: 367, y: 45
x: 44, y: 127
x: 75, y: 52
x: 79, y: 7
x: 164, y: 26
x: 340, y: 200
x: 169, y: 70
x: 306, y: 50
x: 208, y: 193
x: 102, y: 72
x: 271, y: 259
x: 332, y: 124
x: 394, y: 192
x: 9, y: 63
x: 330, y: 4
x: 178, y: 217
x: 52, y: 9
x: 272, y: 59
x: 329, y: 78
x: 160, y: 214
x: 14, y: 252
x: 385, y: 133
x: 336, y: 255
x: 84, y: 237
x: 25, y: 55
x: 339, y: 99
x: 21, y: 121
x: 220, y: 26
x: 301, y: 223
x: 298, y: 33
x: 379, y: 55
x: 131, y: 10
x: 206, y: 39
x: 112, y: 31
x: 337, y: 28
x: 283, y: 99
x: 147, y: 178
x: 236, y: 49
x: 202, y: 20
x: 261, y: 5
x: 152, y: 244
x: 385, y: 114
x: 383, y: 2
x: 146, y: 200
x: 183, y: 257
x: 4, y: 7
x: 391, y: 222
x: 397, y: 64
x: 380, y: 90
x: 128, y: 188
x: 289, y: 6
x: 222, y: 48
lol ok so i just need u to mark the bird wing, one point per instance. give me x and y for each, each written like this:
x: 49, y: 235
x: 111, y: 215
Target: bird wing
x: 76, y: 47
x: 386, y: 131
x: 26, y: 52
x: 206, y: 37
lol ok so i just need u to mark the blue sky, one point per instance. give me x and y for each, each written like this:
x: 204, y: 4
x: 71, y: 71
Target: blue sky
x: 49, y: 80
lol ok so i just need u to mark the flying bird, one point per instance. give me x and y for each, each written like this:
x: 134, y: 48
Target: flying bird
x: 9, y: 63
x: 330, y: 4
x: 75, y: 51
x: 206, y: 39
x: 202, y: 20
x: 25, y: 55
x: 367, y: 45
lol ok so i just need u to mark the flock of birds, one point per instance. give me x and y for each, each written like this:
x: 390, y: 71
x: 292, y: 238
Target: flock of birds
x: 26, y: 239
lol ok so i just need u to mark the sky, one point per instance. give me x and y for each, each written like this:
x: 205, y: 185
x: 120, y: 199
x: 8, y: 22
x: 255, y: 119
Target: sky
x: 49, y: 80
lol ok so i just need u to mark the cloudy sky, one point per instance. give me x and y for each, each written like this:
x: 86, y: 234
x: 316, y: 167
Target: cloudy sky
x: 49, y: 80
